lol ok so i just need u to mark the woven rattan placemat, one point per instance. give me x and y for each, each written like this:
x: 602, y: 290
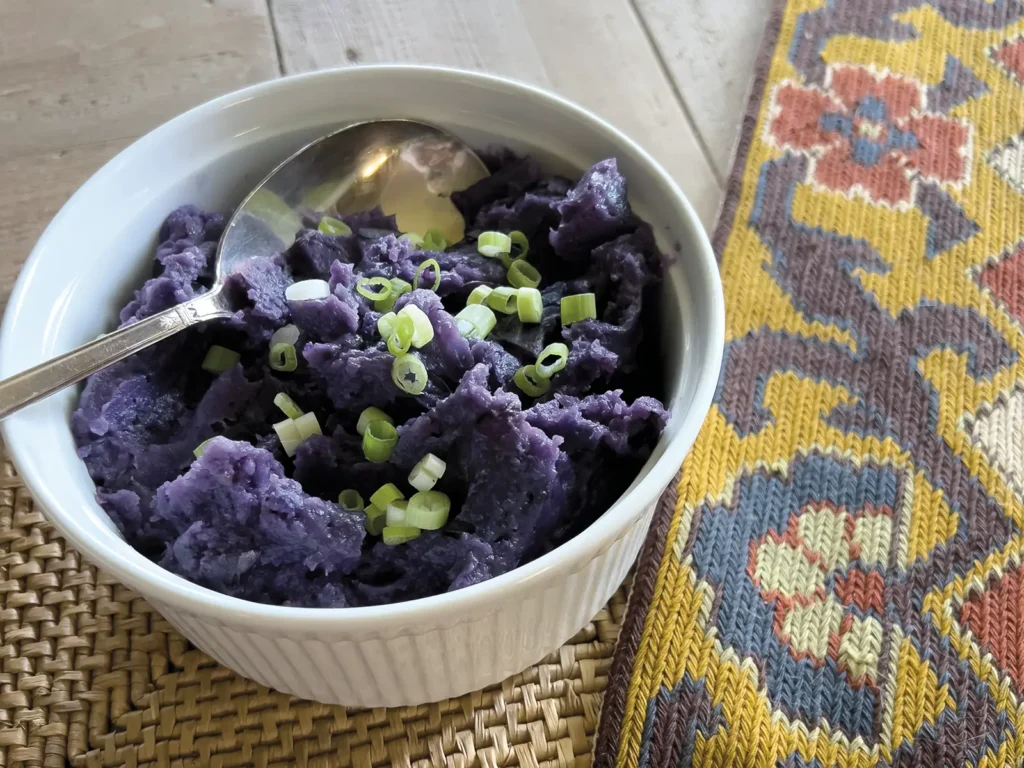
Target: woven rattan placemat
x: 93, y: 676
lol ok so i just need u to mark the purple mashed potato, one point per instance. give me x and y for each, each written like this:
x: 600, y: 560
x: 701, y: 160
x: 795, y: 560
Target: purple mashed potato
x: 524, y: 474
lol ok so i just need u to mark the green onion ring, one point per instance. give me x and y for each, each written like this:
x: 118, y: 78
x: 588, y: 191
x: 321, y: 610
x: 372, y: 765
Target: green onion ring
x: 530, y: 383
x: 283, y: 358
x: 364, y: 288
x: 423, y: 267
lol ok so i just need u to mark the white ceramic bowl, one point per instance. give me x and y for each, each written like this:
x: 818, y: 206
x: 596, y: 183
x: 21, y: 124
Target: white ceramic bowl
x: 100, y: 247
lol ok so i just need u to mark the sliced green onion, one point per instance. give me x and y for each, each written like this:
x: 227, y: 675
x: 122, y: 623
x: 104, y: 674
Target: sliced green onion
x: 433, y: 464
x: 288, y: 406
x: 522, y: 274
x: 479, y: 295
x: 307, y: 290
x: 493, y: 244
x: 289, y: 436
x: 423, y: 267
x: 422, y: 480
x: 375, y: 521
x: 529, y: 305
x: 520, y: 244
x: 200, y: 449
x: 398, y: 287
x: 579, y: 306
x: 386, y: 324
x: 433, y: 240
x: 475, y: 321
x: 385, y: 495
x: 503, y: 299
x: 365, y: 287
x: 331, y: 226
x: 398, y: 511
x: 409, y: 374
x: 393, y: 535
x: 370, y: 415
x: 283, y: 358
x: 412, y: 238
x: 427, y: 472
x: 401, y: 335
x: 528, y: 380
x: 428, y: 510
x: 308, y: 425
x: 351, y: 500
x: 286, y: 334
x: 560, y: 354
x: 379, y: 440
x: 423, y: 331
x: 219, y: 359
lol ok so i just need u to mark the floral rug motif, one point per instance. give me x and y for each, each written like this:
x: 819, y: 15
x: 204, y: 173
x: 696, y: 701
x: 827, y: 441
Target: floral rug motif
x: 838, y: 579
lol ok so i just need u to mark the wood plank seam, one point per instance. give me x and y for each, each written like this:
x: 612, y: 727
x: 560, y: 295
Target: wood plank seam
x: 674, y: 85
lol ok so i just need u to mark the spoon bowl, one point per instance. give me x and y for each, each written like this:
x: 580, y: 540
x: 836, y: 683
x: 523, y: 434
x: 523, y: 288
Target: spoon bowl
x: 407, y: 168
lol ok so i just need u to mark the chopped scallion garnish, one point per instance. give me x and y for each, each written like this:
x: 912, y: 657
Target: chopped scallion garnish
x: 386, y: 494
x: 375, y: 521
x: 479, y: 295
x: 288, y: 406
x: 374, y: 288
x: 422, y: 268
x: 522, y: 274
x: 493, y: 244
x: 378, y: 441
x: 579, y: 306
x: 393, y: 535
x: 308, y: 425
x: 520, y: 244
x: 398, y: 287
x: 201, y: 448
x: 351, y: 500
x: 286, y: 334
x: 289, y: 436
x: 529, y: 305
x: 219, y: 359
x: 551, y: 360
x: 398, y: 511
x: 307, y: 290
x: 369, y: 416
x: 401, y: 337
x: 475, y: 321
x: 332, y: 226
x: 530, y: 382
x: 433, y: 240
x: 427, y: 472
x: 503, y: 299
x: 412, y: 238
x: 427, y: 510
x: 409, y: 374
x: 386, y: 324
x: 283, y: 358
x: 423, y: 331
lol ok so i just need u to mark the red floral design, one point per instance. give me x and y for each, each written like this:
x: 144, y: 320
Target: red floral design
x: 869, y: 134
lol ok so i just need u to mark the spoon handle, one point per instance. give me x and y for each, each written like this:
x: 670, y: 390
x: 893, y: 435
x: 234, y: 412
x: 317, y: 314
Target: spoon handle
x: 46, y: 378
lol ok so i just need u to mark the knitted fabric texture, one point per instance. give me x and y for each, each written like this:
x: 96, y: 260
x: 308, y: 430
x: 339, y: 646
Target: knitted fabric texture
x: 837, y: 578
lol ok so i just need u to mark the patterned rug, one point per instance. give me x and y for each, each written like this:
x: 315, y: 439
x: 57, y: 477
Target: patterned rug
x: 839, y: 582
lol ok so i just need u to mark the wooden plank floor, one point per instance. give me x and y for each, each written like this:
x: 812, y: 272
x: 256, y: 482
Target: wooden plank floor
x: 79, y: 81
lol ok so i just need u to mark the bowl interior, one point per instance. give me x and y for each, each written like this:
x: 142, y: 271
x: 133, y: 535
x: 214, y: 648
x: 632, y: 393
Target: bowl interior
x: 99, y: 249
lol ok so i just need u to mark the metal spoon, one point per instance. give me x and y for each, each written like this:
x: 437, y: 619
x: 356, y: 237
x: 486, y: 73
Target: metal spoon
x: 406, y: 167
